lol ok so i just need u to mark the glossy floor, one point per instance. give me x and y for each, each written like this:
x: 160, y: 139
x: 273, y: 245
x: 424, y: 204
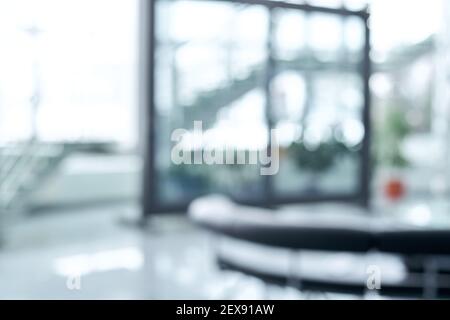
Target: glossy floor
x: 98, y: 253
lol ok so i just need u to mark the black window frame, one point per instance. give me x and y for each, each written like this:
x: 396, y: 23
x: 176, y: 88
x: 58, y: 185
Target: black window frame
x: 150, y: 202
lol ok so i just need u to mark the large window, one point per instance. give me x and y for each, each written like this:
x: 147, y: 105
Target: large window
x: 69, y: 71
x: 68, y: 102
x: 245, y: 68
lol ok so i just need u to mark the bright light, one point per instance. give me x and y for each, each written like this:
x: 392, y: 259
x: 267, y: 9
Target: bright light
x: 381, y: 84
x: 403, y: 22
x: 420, y: 215
x: 131, y: 259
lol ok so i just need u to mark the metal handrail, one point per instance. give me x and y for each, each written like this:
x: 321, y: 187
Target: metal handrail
x: 28, y: 165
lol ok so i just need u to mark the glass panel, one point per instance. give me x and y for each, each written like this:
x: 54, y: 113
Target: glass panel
x: 290, y: 34
x: 210, y: 67
x: 317, y: 100
x: 60, y: 77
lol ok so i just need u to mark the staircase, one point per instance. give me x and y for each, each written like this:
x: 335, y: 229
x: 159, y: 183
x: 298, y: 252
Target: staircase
x: 23, y: 167
x: 207, y: 104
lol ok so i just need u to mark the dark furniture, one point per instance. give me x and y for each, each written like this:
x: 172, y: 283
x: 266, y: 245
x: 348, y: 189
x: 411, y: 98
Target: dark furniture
x: 330, y: 228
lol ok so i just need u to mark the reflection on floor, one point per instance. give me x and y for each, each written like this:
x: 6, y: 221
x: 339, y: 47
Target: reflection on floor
x: 97, y: 254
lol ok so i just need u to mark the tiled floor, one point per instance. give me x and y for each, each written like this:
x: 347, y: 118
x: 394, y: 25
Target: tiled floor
x: 98, y: 253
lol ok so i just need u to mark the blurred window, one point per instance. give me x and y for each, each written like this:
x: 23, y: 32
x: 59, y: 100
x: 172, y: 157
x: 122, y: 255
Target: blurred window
x: 242, y: 69
x: 68, y: 70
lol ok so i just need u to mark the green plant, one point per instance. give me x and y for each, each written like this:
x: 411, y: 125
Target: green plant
x: 389, y: 137
x: 318, y: 159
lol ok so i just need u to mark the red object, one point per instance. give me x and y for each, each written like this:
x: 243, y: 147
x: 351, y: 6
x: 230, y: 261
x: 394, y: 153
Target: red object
x: 395, y: 189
